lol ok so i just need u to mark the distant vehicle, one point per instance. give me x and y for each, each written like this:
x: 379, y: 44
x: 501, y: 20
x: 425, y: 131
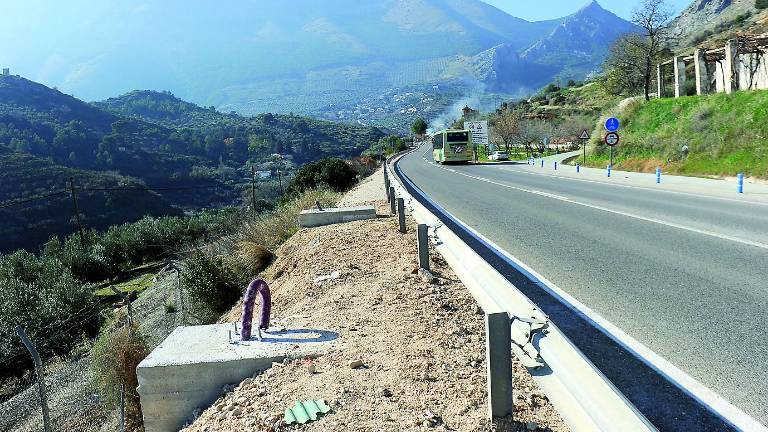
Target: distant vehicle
x: 499, y: 156
x: 452, y: 146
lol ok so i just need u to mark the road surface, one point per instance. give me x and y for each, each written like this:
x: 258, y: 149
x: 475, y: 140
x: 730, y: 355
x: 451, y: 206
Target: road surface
x: 684, y: 274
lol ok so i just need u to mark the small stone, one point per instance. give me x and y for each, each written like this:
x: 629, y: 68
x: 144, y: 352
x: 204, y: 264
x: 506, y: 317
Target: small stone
x: 237, y: 412
x: 532, y: 426
x: 386, y: 393
x: 354, y: 364
x: 311, y: 369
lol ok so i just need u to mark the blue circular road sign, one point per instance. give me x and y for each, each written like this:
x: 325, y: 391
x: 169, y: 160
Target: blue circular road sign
x: 612, y: 124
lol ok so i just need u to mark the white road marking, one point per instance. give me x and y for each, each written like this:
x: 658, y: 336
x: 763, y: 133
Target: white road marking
x: 637, y: 187
x: 681, y: 379
x: 617, y: 212
x: 677, y: 376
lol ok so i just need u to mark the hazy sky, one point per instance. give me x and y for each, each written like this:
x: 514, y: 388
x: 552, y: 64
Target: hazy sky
x: 535, y: 10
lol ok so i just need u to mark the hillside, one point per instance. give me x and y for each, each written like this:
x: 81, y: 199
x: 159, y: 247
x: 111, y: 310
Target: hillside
x: 326, y: 59
x: 705, y: 20
x: 192, y: 157
x: 725, y: 134
x: 27, y: 222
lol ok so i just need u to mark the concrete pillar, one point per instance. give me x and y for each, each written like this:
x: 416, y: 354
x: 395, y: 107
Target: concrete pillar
x: 498, y: 355
x: 422, y: 241
x: 702, y: 73
x: 731, y: 66
x: 679, y: 76
x: 659, y: 81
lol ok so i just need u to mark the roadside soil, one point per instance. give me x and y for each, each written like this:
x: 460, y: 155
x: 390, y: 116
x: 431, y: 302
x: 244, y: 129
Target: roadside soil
x: 421, y: 343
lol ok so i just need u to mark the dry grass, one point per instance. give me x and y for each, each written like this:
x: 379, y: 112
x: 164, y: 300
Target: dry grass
x: 250, y: 247
x: 116, y: 354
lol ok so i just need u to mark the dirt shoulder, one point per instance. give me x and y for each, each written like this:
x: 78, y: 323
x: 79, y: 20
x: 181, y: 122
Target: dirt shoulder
x: 421, y: 344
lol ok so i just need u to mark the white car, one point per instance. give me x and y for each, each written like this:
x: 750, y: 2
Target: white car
x: 499, y: 156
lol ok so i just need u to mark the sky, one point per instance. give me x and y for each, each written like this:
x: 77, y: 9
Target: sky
x: 534, y: 11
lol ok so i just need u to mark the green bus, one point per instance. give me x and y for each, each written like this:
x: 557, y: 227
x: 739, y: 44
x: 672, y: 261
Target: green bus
x: 452, y: 146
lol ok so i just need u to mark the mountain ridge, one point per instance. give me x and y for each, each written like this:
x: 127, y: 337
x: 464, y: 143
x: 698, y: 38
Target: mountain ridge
x: 256, y: 57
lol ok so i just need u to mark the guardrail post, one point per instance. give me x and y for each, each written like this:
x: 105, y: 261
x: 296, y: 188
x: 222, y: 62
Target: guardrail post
x: 555, y: 165
x: 392, y: 200
x: 578, y: 168
x: 542, y: 163
x: 609, y: 170
x: 401, y: 214
x: 498, y: 356
x: 422, y: 240
x: 741, y: 182
x: 658, y: 175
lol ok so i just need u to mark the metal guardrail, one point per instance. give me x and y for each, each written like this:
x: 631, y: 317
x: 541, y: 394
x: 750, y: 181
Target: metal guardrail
x: 575, y: 383
x: 583, y: 396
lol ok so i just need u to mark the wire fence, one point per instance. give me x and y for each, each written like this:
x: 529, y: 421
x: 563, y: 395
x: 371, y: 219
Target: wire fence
x: 77, y: 397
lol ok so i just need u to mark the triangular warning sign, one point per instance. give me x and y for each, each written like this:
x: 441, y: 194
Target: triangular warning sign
x: 584, y: 135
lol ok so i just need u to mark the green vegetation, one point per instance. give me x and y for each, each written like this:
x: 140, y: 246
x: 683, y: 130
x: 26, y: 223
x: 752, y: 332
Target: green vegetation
x: 333, y: 173
x: 587, y: 99
x: 419, y: 127
x: 725, y: 135
x: 191, y: 157
x: 136, y: 285
x: 52, y: 294
x: 211, y: 285
x: 761, y: 4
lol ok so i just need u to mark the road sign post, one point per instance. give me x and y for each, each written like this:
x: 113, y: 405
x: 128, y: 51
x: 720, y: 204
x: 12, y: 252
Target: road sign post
x: 479, y: 133
x: 584, y: 139
x: 612, y: 139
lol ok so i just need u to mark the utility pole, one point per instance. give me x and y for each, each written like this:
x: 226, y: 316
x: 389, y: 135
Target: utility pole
x: 253, y: 188
x: 40, y: 377
x: 77, y: 211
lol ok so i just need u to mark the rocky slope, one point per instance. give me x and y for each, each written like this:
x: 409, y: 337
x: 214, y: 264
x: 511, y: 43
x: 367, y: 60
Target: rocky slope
x: 706, y: 15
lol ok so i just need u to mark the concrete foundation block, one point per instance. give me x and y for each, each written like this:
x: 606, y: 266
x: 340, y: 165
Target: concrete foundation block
x: 190, y: 368
x: 315, y: 218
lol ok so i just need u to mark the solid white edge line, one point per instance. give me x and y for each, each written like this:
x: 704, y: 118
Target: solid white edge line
x: 727, y: 411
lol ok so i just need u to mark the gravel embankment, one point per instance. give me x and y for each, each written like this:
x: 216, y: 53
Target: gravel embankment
x: 421, y: 344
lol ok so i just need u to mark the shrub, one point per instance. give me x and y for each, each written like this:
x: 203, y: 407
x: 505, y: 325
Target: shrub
x: 45, y: 298
x: 115, y: 356
x: 333, y: 173
x: 761, y: 4
x: 212, y: 287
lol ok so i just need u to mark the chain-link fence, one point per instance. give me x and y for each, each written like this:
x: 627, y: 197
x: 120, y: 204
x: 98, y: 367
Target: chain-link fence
x: 79, y: 400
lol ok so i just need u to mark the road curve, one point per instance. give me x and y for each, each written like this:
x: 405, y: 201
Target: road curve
x: 685, y: 275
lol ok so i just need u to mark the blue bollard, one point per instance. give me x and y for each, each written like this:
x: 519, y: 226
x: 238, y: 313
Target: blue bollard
x: 741, y: 183
x: 555, y: 165
x: 658, y: 175
x: 542, y: 163
x: 578, y: 168
x: 609, y: 170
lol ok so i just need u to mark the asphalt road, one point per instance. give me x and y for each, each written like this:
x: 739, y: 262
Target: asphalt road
x: 685, y: 275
